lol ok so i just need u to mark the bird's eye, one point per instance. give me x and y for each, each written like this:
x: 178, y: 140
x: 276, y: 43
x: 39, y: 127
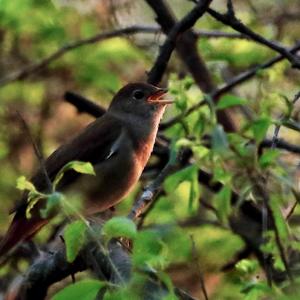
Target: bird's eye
x: 138, y: 95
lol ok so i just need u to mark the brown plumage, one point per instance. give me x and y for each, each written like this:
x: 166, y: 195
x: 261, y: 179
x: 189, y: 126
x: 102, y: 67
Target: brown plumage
x: 118, y: 144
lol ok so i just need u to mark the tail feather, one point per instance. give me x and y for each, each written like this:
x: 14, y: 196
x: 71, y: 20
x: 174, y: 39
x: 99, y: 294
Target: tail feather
x: 19, y: 230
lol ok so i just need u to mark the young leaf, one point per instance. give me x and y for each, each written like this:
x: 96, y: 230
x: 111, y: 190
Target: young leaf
x: 24, y: 184
x: 229, y: 101
x: 223, y: 205
x: 280, y: 222
x: 119, y: 227
x: 52, y: 205
x: 147, y: 248
x: 172, y: 182
x: 247, y: 266
x: 78, y: 166
x: 268, y: 157
x: 260, y: 128
x: 74, y: 236
x: 32, y: 200
x: 219, y: 139
x: 83, y: 290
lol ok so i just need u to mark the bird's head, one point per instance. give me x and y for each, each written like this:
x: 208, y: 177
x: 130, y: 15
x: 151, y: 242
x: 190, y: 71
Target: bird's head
x: 140, y: 99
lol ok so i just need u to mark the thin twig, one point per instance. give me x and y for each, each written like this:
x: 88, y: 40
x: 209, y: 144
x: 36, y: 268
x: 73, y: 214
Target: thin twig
x: 201, y: 277
x: 151, y: 191
x: 270, y: 215
x: 84, y: 105
x: 35, y: 67
x: 160, y: 65
x: 230, y: 19
x: 280, y: 144
x: 131, y: 30
x: 277, y: 127
x: 37, y: 152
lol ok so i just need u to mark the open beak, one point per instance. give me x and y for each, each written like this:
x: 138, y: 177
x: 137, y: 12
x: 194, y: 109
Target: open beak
x: 157, y: 97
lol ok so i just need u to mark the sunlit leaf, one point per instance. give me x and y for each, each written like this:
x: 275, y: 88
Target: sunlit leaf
x: 84, y: 290
x: 223, y: 203
x: 24, y: 184
x: 260, y: 128
x: 246, y: 266
x: 78, y: 166
x: 280, y: 222
x: 120, y: 227
x: 229, y: 101
x: 219, y: 139
x: 32, y: 200
x: 74, y: 236
x: 268, y: 157
x: 53, y: 202
x: 147, y: 248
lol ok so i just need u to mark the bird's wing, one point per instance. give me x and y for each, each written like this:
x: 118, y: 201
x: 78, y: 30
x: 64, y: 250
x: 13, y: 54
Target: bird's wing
x: 96, y: 143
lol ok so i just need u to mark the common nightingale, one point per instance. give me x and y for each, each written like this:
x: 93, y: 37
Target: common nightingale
x: 118, y: 145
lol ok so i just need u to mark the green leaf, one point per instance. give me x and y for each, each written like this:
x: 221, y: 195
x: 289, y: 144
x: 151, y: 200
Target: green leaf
x: 120, y: 227
x: 223, y: 203
x: 82, y: 290
x: 78, y: 166
x: 219, y: 140
x: 166, y: 280
x: 189, y: 174
x: 32, y: 200
x: 260, y: 128
x: 81, y: 167
x: 221, y: 175
x: 229, y: 101
x: 247, y: 266
x: 268, y: 157
x: 280, y: 222
x: 52, y: 205
x: 178, y: 243
x: 74, y: 236
x: 24, y: 184
x: 172, y: 182
x: 183, y: 142
x: 200, y: 151
x: 147, y: 247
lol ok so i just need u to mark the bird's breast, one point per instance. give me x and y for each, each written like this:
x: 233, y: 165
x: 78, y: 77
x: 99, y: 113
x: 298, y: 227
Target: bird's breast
x: 116, y: 176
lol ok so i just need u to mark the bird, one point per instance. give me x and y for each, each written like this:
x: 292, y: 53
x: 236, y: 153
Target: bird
x: 118, y: 145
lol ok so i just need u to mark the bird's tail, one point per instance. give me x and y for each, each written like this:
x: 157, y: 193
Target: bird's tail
x: 19, y: 230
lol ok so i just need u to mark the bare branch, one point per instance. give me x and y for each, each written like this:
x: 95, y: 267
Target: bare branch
x: 158, y: 69
x: 37, y: 153
x: 230, y: 19
x: 135, y: 29
x: 280, y: 144
x: 277, y: 127
x: 151, y: 191
x: 84, y: 105
x: 191, y: 58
